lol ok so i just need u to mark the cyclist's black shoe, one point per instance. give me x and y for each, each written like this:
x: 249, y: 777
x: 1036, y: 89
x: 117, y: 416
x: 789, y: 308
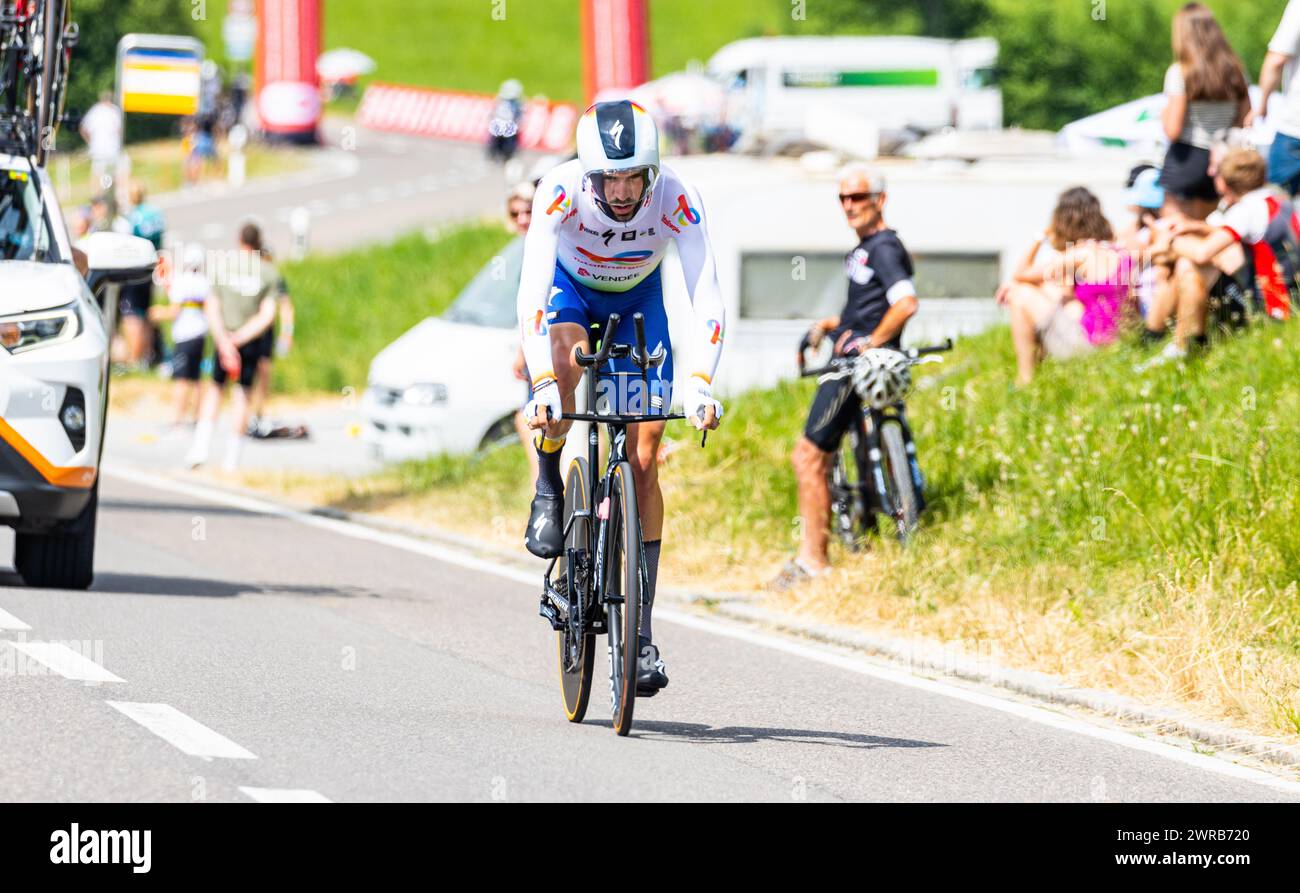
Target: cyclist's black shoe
x: 545, y: 534
x: 650, y: 675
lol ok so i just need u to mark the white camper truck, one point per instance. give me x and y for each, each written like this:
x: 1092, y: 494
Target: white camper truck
x: 790, y: 89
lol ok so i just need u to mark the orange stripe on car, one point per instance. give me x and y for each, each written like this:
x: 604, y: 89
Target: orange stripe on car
x: 73, y: 478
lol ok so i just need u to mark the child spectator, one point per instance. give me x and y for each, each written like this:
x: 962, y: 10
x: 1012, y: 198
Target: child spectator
x: 1263, y: 222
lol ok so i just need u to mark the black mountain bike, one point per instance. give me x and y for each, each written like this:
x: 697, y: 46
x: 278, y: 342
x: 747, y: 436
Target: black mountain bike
x: 602, y: 572
x: 875, y: 471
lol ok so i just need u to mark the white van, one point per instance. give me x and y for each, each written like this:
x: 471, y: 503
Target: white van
x: 783, y: 87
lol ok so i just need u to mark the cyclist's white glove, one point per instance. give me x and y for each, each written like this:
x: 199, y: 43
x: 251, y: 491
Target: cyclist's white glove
x: 697, y: 399
x: 545, y: 396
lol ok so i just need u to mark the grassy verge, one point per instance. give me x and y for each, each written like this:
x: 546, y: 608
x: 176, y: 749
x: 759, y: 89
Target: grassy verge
x: 1132, y: 532
x: 350, y: 306
x: 464, y: 46
x: 160, y: 166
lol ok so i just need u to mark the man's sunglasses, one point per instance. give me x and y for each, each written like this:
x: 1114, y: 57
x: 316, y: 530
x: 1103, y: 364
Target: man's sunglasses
x: 856, y: 197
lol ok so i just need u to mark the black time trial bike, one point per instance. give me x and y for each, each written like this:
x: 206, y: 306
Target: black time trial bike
x: 595, y: 586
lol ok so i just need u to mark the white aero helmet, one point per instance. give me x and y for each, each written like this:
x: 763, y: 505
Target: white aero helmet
x: 618, y: 137
x: 882, y: 377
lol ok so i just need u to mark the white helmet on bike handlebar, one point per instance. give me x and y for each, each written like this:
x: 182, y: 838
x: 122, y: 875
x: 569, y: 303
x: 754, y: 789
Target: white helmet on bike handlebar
x: 618, y: 137
x: 882, y: 377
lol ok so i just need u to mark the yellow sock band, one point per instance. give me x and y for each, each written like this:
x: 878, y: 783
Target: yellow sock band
x: 547, y: 445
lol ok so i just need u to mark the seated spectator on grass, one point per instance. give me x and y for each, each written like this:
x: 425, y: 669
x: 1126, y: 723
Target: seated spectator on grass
x: 1258, y: 220
x: 1069, y: 303
x: 1146, y: 198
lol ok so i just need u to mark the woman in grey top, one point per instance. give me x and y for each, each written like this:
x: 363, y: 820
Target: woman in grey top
x: 1206, y: 90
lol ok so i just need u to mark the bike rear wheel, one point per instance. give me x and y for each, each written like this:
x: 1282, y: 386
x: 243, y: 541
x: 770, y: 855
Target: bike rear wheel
x: 848, y: 511
x: 623, y: 583
x: 898, y: 478
x: 576, y: 648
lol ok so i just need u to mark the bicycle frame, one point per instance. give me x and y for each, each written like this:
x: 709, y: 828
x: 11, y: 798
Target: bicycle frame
x: 599, y: 485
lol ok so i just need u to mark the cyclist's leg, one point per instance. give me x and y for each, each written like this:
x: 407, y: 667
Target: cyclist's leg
x: 834, y: 408
x: 565, y: 321
x: 645, y: 439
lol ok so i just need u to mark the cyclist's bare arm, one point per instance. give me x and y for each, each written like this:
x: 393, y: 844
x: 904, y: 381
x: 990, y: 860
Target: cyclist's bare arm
x: 895, y: 318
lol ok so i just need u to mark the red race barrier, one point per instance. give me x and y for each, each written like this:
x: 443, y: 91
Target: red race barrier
x: 446, y: 114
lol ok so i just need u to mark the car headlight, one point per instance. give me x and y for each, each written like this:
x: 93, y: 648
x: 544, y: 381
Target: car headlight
x: 28, y: 331
x: 425, y: 394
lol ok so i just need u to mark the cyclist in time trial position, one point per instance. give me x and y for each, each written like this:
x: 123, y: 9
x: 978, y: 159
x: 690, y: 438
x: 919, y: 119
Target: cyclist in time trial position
x: 601, y: 225
x: 881, y: 300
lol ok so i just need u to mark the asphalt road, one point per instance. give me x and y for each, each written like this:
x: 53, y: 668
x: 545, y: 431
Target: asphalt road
x: 229, y: 654
x: 369, y: 187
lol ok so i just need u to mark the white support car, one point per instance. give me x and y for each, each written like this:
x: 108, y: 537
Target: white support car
x: 54, y: 351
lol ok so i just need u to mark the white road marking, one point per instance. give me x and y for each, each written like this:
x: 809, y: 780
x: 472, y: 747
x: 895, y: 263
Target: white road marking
x: 729, y: 630
x: 379, y: 195
x: 285, y: 795
x: 66, y: 661
x: 187, y: 735
x: 318, y: 207
x: 283, y: 214
x: 429, y: 183
x: 212, y: 231
x: 9, y: 621
x: 404, y: 190
x: 351, y: 202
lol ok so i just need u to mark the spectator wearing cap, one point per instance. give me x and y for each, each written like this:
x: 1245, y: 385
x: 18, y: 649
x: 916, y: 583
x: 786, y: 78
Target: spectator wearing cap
x: 1155, y: 295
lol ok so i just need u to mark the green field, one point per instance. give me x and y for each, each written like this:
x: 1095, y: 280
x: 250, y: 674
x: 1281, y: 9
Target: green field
x: 459, y: 45
x: 351, y: 306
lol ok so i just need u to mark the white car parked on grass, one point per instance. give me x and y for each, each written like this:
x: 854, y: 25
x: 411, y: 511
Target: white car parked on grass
x: 54, y: 354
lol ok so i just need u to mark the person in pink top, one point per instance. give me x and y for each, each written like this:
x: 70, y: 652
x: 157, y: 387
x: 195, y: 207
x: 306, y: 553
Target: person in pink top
x: 1070, y: 292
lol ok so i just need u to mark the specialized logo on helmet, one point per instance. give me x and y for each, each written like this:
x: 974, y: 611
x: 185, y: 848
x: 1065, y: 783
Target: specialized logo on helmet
x: 686, y: 215
x: 625, y: 257
x: 612, y: 118
x: 717, y: 331
x: 561, y: 203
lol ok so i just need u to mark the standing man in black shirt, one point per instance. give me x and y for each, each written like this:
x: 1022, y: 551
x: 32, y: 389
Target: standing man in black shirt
x: 881, y: 300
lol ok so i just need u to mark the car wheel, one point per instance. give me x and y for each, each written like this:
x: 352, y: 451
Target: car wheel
x: 501, y: 434
x: 63, y: 558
